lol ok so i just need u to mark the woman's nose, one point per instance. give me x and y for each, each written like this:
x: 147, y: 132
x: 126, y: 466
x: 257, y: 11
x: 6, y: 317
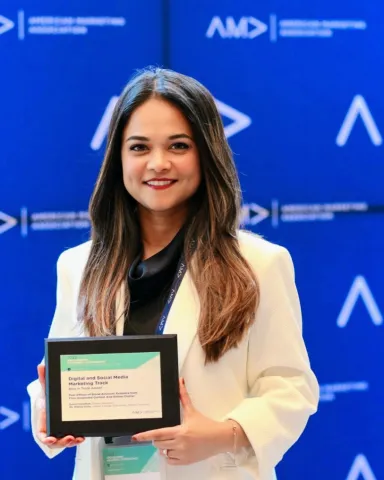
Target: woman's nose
x: 159, y: 162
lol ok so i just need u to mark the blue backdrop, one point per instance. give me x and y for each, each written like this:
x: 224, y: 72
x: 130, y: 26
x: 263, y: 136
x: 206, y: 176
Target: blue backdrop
x: 299, y: 86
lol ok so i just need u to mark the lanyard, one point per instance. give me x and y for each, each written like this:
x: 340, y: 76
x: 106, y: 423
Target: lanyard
x: 180, y: 272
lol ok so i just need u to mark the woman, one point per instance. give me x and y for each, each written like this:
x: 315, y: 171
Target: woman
x: 168, y: 187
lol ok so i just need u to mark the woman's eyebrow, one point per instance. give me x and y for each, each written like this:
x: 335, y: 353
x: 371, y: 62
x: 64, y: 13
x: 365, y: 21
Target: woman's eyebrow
x: 146, y: 139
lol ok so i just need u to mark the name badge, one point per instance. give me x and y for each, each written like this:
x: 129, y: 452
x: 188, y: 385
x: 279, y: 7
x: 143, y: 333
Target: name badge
x: 131, y: 462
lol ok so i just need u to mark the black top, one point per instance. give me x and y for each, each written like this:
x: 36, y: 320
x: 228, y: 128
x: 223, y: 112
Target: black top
x: 149, y: 283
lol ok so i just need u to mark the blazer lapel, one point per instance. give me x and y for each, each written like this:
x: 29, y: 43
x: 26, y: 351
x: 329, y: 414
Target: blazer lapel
x: 182, y: 320
x: 183, y: 317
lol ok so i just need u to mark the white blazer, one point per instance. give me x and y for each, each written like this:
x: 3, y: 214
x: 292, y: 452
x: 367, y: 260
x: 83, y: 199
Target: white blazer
x: 266, y: 384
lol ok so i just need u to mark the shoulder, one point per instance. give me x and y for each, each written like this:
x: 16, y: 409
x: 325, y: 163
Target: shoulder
x: 262, y: 254
x: 75, y: 257
x: 252, y: 242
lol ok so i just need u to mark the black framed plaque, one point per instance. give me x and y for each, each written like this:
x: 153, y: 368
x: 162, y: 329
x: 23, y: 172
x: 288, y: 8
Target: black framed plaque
x: 111, y: 386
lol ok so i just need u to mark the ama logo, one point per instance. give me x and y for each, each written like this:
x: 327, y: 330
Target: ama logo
x: 246, y: 28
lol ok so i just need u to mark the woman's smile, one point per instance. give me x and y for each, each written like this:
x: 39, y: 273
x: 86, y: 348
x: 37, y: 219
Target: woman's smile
x: 160, y: 183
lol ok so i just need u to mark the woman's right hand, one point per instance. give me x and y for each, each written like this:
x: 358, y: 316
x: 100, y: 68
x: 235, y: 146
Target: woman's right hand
x: 69, y: 440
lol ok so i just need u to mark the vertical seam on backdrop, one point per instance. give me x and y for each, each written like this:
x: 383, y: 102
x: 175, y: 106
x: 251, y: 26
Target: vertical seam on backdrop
x: 166, y: 10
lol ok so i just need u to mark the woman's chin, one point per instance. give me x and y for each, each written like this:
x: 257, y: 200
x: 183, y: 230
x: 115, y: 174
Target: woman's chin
x: 165, y: 208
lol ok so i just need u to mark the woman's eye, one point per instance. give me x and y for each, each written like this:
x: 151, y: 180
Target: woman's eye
x: 138, y: 147
x: 180, y: 146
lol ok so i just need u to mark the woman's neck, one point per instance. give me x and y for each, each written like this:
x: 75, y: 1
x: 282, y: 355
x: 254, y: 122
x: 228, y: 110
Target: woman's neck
x: 158, y: 229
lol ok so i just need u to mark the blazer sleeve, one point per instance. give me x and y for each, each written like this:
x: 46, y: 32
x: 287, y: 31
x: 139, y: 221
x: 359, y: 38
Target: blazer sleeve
x: 61, y: 326
x: 282, y: 389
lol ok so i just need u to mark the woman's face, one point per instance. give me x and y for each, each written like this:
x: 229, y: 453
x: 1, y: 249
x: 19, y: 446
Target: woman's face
x: 161, y: 167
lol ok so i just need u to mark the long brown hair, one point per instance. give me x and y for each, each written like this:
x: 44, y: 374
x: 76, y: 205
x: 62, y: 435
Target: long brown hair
x: 227, y: 287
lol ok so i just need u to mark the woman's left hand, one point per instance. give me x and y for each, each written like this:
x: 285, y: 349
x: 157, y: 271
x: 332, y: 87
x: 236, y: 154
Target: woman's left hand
x: 197, y: 439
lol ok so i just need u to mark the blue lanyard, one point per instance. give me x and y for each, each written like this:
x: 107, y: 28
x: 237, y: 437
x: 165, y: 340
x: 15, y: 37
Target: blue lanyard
x: 181, y: 269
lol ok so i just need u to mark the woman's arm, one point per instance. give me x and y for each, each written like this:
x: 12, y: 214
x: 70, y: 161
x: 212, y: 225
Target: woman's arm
x: 283, y: 390
x: 62, y: 326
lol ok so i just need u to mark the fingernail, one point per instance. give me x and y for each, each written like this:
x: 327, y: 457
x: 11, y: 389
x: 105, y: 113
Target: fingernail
x: 183, y: 381
x: 134, y: 439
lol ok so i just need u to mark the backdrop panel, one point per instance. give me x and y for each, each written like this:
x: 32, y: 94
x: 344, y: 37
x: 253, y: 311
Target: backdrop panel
x: 299, y: 87
x: 62, y: 64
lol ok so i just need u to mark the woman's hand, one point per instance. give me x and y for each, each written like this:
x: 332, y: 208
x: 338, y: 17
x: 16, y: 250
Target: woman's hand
x: 69, y: 440
x: 197, y: 439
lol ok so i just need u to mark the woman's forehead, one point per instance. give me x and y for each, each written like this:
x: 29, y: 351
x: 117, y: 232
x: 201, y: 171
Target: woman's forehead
x: 157, y: 118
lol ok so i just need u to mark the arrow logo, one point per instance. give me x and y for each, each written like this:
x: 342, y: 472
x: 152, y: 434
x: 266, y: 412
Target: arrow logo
x: 260, y: 27
x: 8, y: 222
x: 240, y: 121
x: 358, y: 107
x: 11, y: 417
x: 102, y: 128
x: 361, y: 469
x: 5, y: 24
x: 252, y: 214
x: 359, y: 288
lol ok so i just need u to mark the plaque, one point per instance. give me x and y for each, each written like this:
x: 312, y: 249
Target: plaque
x: 111, y: 386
